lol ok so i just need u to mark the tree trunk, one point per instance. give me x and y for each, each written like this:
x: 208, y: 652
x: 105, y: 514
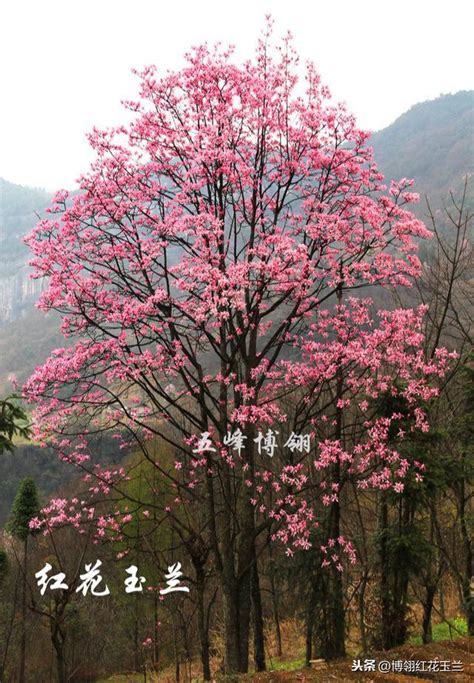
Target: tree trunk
x: 427, y: 635
x: 237, y: 598
x: 394, y: 573
x: 231, y: 625
x: 59, y: 638
x: 310, y: 619
x: 258, y: 630
x: 244, y: 609
x: 156, y: 631
x: 237, y: 561
x: 384, y: 573
x: 468, y: 578
x: 401, y: 575
x: 333, y: 637
x: 275, y: 606
x: 176, y: 653
x: 202, y: 624
x: 333, y: 642
x: 21, y: 676
x: 361, y: 600
x: 3, y: 663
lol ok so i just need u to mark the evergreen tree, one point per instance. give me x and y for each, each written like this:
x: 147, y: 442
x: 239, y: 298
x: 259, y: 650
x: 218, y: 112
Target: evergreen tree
x: 12, y: 423
x: 25, y: 507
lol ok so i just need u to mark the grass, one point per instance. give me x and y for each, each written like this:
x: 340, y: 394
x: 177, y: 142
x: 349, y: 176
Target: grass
x: 274, y: 665
x: 22, y: 441
x: 291, y: 665
x: 128, y: 678
x: 446, y: 630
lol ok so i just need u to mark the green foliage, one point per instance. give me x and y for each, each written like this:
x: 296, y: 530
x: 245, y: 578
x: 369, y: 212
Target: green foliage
x: 3, y: 564
x: 13, y: 422
x: 152, y: 488
x: 288, y: 665
x: 128, y: 678
x: 406, y: 547
x: 446, y: 630
x: 49, y: 472
x: 25, y: 507
x: 463, y: 425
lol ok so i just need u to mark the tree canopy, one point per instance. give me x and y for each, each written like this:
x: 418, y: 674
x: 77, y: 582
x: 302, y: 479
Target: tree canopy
x: 211, y: 270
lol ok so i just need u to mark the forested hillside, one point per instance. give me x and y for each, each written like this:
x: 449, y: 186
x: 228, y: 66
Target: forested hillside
x: 433, y: 143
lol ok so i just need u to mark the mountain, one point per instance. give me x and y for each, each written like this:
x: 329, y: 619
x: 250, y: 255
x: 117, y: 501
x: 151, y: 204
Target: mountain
x: 26, y: 335
x: 19, y: 210
x: 432, y: 143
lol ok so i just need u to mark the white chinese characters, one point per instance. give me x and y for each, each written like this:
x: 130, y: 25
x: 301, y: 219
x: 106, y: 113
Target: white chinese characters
x: 91, y: 581
x: 266, y: 442
x: 51, y: 582
x: 174, y: 572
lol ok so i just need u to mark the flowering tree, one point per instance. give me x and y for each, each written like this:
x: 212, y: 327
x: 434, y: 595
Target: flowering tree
x: 208, y: 271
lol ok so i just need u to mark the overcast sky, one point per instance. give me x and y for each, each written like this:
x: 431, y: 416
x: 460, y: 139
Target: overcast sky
x: 65, y: 65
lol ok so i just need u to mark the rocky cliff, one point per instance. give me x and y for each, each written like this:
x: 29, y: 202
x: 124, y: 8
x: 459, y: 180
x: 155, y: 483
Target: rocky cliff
x: 19, y: 211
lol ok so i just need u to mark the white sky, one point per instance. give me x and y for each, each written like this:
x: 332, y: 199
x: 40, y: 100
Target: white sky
x: 65, y: 64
